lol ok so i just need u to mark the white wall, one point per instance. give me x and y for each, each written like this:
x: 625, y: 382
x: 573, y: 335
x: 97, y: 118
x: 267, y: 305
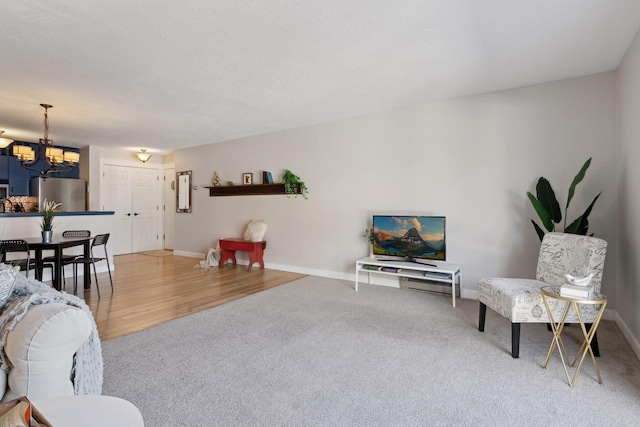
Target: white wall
x: 471, y: 159
x: 627, y: 289
x: 96, y: 156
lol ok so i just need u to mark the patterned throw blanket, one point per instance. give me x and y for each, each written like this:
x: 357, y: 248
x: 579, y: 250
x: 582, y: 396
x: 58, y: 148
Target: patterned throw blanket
x: 88, y: 367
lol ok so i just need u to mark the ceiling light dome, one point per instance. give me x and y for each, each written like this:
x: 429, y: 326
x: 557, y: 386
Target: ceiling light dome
x: 143, y: 156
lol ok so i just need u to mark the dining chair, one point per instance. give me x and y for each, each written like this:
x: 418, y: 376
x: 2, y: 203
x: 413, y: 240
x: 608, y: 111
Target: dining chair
x: 67, y: 258
x: 99, y: 240
x: 19, y: 246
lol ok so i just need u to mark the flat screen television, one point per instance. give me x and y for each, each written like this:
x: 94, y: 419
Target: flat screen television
x: 409, y: 237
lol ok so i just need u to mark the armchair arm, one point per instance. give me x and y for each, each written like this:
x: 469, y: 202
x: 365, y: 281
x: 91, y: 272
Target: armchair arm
x: 41, y: 349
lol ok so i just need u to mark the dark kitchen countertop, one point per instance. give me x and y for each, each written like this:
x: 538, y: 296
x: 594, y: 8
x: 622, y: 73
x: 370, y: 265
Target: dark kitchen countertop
x: 83, y: 213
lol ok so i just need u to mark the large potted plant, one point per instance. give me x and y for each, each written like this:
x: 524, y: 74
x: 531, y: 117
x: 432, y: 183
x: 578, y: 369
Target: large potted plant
x: 548, y: 208
x: 48, y: 213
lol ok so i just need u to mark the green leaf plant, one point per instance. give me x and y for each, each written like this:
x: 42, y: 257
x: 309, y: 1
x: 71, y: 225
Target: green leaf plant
x: 293, y: 185
x: 48, y: 213
x: 548, y: 209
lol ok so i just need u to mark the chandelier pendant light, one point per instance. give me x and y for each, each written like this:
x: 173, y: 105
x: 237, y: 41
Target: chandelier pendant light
x: 54, y: 159
x: 4, y: 142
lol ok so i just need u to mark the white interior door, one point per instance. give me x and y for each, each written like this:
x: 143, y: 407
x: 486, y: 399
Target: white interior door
x: 116, y: 195
x: 146, y: 210
x: 169, y: 206
x: 133, y: 194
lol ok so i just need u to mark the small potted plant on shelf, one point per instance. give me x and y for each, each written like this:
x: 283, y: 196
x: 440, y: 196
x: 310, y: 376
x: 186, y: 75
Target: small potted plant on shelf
x: 293, y: 185
x: 368, y: 234
x: 48, y: 213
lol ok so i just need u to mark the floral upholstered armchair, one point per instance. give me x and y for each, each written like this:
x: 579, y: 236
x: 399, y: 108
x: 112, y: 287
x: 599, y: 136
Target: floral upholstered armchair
x: 520, y: 300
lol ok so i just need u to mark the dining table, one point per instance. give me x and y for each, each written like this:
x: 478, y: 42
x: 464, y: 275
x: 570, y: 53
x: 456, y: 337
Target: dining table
x: 57, y: 244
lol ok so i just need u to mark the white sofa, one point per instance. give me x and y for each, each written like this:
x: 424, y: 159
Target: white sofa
x: 48, y: 340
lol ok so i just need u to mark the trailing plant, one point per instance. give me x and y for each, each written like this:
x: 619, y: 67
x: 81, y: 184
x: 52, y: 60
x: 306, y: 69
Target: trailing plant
x: 48, y: 212
x: 548, y: 208
x: 293, y: 185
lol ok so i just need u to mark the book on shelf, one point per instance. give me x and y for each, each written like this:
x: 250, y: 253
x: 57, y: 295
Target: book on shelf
x: 573, y: 291
x: 267, y: 178
x: 391, y: 269
x: 371, y: 267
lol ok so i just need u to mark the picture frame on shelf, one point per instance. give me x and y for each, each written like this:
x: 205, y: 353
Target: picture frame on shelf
x: 247, y: 178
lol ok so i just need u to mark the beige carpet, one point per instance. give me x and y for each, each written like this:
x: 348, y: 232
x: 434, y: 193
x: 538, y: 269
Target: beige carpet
x: 315, y: 353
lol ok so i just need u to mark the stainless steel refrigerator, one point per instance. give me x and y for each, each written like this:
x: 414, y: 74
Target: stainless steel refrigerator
x: 71, y: 192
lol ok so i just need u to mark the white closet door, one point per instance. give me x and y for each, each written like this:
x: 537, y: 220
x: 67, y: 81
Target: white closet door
x: 116, y: 196
x: 133, y: 194
x: 146, y: 210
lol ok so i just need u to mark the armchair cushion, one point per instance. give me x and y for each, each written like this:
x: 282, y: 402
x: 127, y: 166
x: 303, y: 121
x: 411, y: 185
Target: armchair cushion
x: 520, y: 301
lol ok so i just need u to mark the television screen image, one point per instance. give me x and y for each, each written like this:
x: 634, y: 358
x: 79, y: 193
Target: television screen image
x: 409, y: 237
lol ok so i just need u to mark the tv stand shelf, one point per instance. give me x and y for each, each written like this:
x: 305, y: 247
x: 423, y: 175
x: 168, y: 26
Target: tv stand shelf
x: 441, y: 272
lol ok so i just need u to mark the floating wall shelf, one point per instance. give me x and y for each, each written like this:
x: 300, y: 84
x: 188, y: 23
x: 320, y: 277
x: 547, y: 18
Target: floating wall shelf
x: 248, y: 190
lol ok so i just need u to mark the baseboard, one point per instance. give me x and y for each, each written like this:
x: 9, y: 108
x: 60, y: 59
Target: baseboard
x: 308, y: 271
x: 633, y: 342
x: 189, y: 254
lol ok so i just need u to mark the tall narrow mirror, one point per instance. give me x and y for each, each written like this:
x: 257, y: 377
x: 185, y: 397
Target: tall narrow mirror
x: 183, y: 191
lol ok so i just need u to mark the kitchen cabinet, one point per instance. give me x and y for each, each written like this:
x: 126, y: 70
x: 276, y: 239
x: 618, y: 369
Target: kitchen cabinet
x: 4, y: 168
x: 18, y: 177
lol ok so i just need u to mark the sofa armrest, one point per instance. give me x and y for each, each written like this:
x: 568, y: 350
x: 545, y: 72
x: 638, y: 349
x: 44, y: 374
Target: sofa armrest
x: 41, y: 349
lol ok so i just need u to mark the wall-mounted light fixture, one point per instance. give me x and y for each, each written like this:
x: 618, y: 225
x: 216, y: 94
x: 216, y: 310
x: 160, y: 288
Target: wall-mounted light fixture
x: 143, y: 156
x: 4, y: 142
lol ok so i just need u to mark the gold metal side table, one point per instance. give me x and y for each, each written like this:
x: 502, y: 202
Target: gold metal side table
x: 557, y: 327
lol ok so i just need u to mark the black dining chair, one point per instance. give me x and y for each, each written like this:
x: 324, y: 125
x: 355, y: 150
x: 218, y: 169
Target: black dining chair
x: 67, y: 258
x: 99, y: 240
x: 18, y: 246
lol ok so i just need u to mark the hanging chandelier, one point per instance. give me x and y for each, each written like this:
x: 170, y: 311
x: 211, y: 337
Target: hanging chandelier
x: 47, y: 158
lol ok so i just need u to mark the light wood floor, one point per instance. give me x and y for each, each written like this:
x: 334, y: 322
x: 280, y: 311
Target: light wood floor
x: 153, y: 287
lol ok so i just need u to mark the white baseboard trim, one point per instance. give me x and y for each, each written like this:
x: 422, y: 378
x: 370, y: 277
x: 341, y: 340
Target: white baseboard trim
x: 308, y: 271
x: 632, y: 340
x: 189, y: 254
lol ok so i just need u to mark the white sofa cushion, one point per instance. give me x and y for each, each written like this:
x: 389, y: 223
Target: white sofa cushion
x: 41, y: 349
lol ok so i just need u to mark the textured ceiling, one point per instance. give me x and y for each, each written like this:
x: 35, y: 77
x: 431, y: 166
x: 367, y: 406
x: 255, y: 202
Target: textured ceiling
x: 179, y: 73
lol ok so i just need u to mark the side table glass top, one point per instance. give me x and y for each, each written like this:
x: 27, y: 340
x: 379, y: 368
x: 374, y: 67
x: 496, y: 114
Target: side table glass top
x: 554, y: 292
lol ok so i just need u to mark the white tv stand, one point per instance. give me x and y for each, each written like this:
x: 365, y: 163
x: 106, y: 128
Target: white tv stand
x: 443, y: 272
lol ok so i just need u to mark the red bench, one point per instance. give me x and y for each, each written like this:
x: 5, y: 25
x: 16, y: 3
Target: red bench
x: 228, y: 248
